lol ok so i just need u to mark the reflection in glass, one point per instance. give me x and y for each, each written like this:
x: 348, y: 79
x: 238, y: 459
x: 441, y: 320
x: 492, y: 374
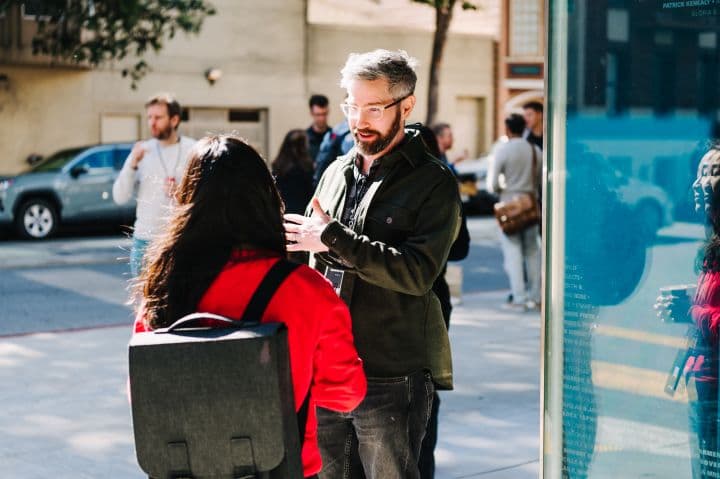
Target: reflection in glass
x: 643, y: 83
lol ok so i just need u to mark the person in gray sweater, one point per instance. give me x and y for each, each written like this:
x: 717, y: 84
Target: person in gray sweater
x: 510, y: 174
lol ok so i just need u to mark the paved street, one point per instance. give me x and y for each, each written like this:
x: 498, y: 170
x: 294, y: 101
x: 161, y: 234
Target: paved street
x: 66, y: 326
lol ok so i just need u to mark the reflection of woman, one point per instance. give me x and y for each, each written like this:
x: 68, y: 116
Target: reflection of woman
x: 224, y: 236
x: 702, y: 365
x: 293, y: 170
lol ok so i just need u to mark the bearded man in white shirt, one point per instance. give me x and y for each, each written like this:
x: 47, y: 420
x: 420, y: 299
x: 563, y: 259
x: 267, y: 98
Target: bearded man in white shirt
x: 152, y: 171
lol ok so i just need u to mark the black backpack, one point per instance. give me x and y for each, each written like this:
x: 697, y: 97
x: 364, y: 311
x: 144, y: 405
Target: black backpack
x: 217, y: 402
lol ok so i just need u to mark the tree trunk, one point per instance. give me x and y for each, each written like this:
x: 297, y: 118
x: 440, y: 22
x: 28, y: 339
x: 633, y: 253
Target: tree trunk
x: 443, y: 17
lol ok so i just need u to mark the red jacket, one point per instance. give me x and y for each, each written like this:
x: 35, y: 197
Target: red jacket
x: 705, y: 312
x: 323, y: 358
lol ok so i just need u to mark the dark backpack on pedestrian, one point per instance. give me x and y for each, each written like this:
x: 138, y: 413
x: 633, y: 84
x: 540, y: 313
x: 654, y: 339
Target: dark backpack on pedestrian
x: 217, y: 402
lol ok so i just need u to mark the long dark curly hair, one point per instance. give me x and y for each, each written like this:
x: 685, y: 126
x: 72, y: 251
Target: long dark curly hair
x: 227, y: 200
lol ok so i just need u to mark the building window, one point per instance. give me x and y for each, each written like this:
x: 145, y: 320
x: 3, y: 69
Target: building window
x: 244, y: 116
x: 32, y: 9
x: 525, y: 28
x: 618, y: 25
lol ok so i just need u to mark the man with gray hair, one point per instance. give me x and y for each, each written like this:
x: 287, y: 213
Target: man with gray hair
x: 380, y: 228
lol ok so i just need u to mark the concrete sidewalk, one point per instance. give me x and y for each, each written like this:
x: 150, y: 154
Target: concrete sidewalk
x: 65, y: 412
x: 64, y: 252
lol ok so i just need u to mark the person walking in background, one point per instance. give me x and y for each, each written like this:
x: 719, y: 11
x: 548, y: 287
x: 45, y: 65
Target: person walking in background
x: 533, y: 114
x: 337, y: 142
x: 152, y: 171
x: 393, y: 212
x: 521, y: 251
x: 445, y: 141
x: 458, y: 251
x: 224, y: 236
x: 319, y: 110
x: 293, y: 170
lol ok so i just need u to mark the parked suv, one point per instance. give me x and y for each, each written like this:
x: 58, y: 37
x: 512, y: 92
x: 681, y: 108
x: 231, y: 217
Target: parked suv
x: 72, y: 185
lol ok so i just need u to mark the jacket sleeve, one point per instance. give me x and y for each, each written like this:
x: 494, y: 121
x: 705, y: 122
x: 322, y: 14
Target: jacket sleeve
x: 412, y: 267
x: 124, y: 184
x: 461, y: 246
x: 707, y: 319
x: 706, y: 310
x: 339, y: 380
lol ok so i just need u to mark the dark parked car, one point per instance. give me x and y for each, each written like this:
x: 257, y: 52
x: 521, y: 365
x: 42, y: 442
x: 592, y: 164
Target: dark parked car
x: 476, y: 199
x: 71, y: 186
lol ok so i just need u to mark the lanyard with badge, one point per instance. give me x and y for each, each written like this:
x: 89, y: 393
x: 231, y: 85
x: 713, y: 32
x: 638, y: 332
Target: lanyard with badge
x: 170, y: 182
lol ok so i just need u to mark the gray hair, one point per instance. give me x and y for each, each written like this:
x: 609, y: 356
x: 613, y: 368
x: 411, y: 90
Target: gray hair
x: 398, y: 68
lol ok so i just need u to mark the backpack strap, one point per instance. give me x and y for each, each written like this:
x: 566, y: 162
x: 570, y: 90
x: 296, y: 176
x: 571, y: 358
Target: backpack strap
x: 264, y: 293
x: 255, y: 310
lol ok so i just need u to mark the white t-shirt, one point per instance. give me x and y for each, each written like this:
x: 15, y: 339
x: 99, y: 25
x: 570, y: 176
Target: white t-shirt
x: 149, y: 183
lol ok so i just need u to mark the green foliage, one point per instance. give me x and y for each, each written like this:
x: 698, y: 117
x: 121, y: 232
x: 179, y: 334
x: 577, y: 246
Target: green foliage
x: 93, y: 32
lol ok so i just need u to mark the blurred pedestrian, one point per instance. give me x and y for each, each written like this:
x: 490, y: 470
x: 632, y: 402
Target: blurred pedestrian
x: 319, y: 110
x: 393, y: 212
x: 336, y: 143
x: 445, y: 141
x: 293, y: 170
x: 533, y: 114
x: 223, y: 238
x: 458, y: 251
x: 151, y: 173
x: 521, y: 251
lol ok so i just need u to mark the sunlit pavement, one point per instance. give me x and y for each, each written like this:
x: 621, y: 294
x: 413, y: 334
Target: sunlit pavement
x: 65, y: 411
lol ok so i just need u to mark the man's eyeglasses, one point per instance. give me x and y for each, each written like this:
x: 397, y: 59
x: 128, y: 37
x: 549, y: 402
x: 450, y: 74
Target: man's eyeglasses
x: 374, y: 112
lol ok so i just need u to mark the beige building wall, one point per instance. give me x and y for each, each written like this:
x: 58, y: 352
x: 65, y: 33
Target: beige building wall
x: 467, y: 73
x: 271, y: 61
x: 261, y: 56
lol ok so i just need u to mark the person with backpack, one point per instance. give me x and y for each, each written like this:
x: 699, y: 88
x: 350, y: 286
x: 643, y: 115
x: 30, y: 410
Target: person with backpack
x: 224, y: 235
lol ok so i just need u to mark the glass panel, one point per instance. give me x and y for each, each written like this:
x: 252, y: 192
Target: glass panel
x: 633, y: 250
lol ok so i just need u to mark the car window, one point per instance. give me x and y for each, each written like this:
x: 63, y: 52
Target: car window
x: 121, y: 155
x: 57, y: 160
x: 97, y: 161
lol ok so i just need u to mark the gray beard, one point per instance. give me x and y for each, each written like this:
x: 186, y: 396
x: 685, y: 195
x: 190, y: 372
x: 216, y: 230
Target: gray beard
x: 375, y: 147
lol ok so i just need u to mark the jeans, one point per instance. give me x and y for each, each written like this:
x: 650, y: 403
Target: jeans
x: 426, y: 462
x: 703, y: 408
x: 136, y: 256
x: 381, y: 438
x: 521, y: 253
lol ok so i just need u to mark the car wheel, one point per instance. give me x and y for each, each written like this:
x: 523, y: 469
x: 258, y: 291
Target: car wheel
x: 36, y: 219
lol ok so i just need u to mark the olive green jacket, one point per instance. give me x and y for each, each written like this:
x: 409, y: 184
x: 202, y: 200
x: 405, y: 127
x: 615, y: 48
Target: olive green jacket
x: 403, y: 231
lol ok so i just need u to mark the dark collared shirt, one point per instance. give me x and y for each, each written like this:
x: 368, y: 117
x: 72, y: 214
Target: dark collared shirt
x: 357, y: 189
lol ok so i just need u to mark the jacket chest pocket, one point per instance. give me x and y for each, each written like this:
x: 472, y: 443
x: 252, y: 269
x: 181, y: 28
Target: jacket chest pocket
x: 389, y: 223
